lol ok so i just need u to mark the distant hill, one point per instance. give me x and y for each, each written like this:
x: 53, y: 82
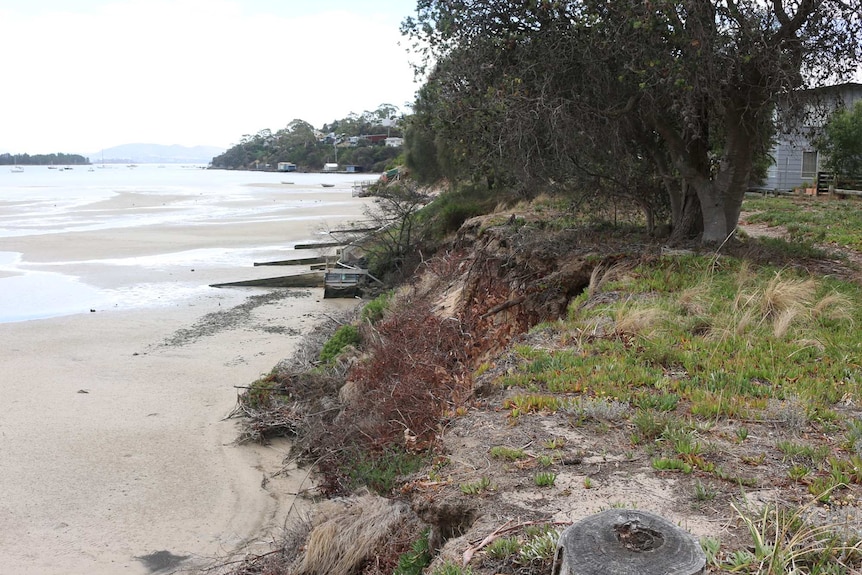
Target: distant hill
x: 156, y: 154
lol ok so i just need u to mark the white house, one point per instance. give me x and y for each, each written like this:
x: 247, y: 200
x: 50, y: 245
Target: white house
x: 394, y: 142
x: 796, y: 161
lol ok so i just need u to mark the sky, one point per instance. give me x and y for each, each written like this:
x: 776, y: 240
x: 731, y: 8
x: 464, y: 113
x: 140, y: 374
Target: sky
x: 84, y: 75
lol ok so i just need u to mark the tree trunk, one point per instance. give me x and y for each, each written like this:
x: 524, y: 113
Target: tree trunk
x: 712, y: 206
x: 688, y: 222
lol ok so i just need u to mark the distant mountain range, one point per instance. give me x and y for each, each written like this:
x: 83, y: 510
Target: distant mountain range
x: 156, y: 154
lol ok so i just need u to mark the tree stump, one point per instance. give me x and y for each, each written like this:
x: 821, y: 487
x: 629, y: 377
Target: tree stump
x: 623, y: 542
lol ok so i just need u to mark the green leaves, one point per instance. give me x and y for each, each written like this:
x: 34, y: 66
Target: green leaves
x: 842, y: 143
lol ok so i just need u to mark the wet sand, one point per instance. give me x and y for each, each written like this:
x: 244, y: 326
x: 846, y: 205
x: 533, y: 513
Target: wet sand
x: 113, y: 444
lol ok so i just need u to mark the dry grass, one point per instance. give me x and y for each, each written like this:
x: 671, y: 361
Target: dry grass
x: 348, y: 532
x: 642, y: 321
x: 786, y: 541
x: 783, y: 297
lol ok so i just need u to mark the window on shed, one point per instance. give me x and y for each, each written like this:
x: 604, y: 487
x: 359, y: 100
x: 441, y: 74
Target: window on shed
x: 809, y: 164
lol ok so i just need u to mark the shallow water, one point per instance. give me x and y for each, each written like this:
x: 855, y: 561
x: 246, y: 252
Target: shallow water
x: 76, y: 240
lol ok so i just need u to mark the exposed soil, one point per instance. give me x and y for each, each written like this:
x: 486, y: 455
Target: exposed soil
x: 599, y: 468
x: 508, y: 278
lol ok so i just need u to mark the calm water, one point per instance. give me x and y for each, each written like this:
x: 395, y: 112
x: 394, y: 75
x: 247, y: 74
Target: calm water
x: 45, y: 210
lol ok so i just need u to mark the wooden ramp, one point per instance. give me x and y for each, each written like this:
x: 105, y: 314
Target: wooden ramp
x: 307, y: 280
x: 298, y: 261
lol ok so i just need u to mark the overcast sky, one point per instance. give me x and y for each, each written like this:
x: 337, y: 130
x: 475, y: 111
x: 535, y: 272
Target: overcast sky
x: 83, y: 75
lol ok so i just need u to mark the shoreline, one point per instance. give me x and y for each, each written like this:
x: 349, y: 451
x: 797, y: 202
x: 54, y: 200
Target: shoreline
x: 118, y: 445
x: 113, y: 439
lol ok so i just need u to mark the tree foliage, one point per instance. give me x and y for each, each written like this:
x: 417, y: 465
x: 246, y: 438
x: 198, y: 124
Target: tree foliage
x: 300, y: 143
x: 629, y: 97
x: 395, y: 214
x: 841, y: 142
x: 42, y: 159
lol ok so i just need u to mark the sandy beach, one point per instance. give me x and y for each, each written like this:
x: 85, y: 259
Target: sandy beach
x: 114, y: 448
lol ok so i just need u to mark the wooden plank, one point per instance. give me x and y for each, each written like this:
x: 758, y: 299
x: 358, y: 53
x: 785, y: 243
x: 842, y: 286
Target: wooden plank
x: 352, y: 231
x: 296, y: 261
x: 318, y: 245
x: 308, y: 280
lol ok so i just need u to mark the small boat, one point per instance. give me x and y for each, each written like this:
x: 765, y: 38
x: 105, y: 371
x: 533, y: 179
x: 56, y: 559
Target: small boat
x: 328, y: 185
x: 16, y: 169
x: 286, y: 182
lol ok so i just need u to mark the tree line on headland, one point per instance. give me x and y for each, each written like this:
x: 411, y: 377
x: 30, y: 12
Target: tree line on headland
x: 43, y: 159
x: 358, y: 140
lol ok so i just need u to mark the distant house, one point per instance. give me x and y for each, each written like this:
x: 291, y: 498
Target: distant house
x: 286, y: 167
x: 352, y: 169
x: 796, y: 161
x: 330, y: 167
x: 394, y: 142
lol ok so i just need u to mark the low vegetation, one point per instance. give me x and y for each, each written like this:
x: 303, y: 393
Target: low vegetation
x: 724, y: 375
x: 812, y: 220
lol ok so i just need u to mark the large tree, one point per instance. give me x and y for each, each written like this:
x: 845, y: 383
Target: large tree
x: 552, y: 90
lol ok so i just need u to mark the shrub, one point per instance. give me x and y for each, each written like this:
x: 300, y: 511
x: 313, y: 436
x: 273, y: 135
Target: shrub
x: 415, y: 560
x: 403, y: 388
x: 344, y: 336
x: 262, y: 392
x: 378, y: 471
x: 374, y: 310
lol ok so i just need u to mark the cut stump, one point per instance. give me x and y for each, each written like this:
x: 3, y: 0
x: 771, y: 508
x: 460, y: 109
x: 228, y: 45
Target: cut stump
x: 622, y: 542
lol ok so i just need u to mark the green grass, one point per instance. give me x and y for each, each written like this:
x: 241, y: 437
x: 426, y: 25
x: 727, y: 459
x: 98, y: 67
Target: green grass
x: 380, y: 471
x: 504, y: 548
x: 476, y: 487
x: 715, y: 339
x: 821, y: 220
x: 449, y: 568
x: 507, y: 453
x: 697, y: 340
x: 545, y: 479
